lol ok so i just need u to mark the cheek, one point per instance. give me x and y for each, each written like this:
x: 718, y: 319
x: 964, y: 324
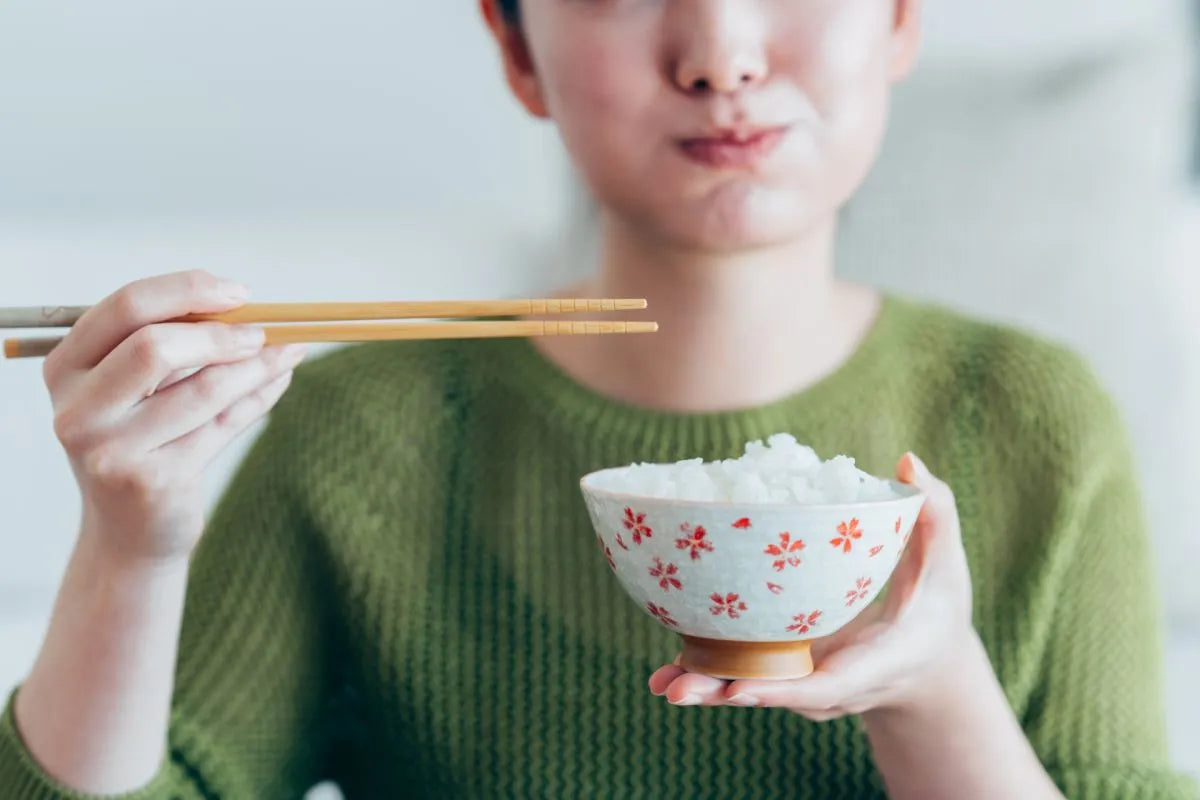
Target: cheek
x: 839, y: 55
x: 854, y: 39
x: 841, y: 59
x: 601, y: 95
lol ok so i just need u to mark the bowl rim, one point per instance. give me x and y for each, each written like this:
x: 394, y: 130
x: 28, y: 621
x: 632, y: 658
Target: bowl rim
x: 907, y: 492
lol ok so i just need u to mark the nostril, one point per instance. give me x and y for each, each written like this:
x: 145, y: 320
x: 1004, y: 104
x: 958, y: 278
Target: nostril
x: 747, y: 77
x: 700, y: 85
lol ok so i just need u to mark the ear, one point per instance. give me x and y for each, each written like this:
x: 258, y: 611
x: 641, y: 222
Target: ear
x: 906, y: 38
x: 518, y: 62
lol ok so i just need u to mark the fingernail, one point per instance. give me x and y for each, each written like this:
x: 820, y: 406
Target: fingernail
x: 233, y: 290
x: 688, y: 700
x: 919, y: 465
x: 743, y: 700
x: 248, y: 337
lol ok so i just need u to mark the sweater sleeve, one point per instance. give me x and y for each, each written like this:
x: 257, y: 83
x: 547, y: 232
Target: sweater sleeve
x: 1097, y: 716
x: 249, y: 704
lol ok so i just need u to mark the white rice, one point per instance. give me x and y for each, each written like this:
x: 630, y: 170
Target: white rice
x: 780, y: 471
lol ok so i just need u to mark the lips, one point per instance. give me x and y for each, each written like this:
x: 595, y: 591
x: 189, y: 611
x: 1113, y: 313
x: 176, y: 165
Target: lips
x: 733, y: 149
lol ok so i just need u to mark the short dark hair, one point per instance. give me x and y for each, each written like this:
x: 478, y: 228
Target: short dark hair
x: 510, y: 9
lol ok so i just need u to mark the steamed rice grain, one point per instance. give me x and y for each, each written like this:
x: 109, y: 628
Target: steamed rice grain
x: 781, y: 470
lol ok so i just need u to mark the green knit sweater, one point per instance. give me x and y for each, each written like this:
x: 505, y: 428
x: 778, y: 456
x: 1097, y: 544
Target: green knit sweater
x: 401, y: 592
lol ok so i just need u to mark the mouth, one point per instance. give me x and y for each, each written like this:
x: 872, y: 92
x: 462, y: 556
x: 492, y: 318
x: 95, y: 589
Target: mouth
x: 733, y: 148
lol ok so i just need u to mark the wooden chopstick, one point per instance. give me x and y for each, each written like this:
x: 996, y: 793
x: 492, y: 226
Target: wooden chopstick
x: 66, y: 316
x: 283, y: 334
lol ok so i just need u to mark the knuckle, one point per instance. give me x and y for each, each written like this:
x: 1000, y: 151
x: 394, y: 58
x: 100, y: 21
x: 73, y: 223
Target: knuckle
x: 256, y: 404
x: 105, y: 463
x: 70, y: 426
x: 236, y: 415
x: 147, y: 349
x: 220, y: 334
x: 198, y: 281
x: 129, y: 303
x: 251, y: 407
x: 225, y: 418
x: 274, y: 368
x: 51, y: 371
x: 228, y: 339
x: 206, y: 386
x: 108, y: 466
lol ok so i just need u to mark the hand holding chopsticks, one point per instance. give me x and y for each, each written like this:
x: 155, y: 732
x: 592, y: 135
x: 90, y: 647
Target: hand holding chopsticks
x: 154, y: 381
x: 342, y: 315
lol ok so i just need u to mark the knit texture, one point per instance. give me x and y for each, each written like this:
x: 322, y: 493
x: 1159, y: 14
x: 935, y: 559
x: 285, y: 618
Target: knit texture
x: 401, y: 591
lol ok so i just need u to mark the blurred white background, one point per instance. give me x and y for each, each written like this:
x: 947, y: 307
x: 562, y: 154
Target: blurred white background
x: 368, y: 149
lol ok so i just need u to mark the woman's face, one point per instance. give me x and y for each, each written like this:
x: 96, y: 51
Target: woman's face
x: 715, y: 124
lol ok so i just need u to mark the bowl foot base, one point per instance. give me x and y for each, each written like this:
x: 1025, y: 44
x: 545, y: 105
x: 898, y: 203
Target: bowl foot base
x: 747, y: 660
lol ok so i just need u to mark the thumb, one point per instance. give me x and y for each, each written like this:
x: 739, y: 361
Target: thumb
x: 939, y: 514
x: 936, y: 540
x: 935, y: 543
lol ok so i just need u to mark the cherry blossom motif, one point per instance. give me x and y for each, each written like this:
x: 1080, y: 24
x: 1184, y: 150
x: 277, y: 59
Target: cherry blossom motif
x: 637, y: 524
x: 847, y: 533
x: 694, y: 540
x: 621, y: 542
x: 774, y: 588
x: 742, y: 524
x: 804, y: 622
x: 786, y: 552
x: 607, y: 554
x: 726, y: 604
x: 876, y: 550
x: 897, y: 524
x: 661, y: 614
x: 859, y: 592
x: 666, y: 575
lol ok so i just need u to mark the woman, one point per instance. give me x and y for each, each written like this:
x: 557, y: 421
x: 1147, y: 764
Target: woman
x: 400, y: 590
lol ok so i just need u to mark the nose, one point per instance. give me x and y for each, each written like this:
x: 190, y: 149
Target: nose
x: 722, y: 46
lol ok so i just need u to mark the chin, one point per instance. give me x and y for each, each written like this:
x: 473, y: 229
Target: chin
x: 739, y: 219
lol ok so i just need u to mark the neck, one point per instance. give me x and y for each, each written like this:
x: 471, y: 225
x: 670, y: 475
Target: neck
x: 735, y: 330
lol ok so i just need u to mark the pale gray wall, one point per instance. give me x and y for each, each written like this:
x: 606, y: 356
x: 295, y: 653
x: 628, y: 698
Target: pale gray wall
x: 366, y: 149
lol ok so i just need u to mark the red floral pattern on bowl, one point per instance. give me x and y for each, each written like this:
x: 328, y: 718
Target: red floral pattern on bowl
x: 741, y: 572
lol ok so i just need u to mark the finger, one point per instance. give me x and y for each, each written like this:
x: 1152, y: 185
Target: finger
x: 939, y: 506
x: 826, y: 715
x: 196, y: 450
x: 851, y: 677
x: 819, y: 692
x: 133, y: 371
x: 936, y: 542
x: 662, y: 678
x: 175, y: 377
x: 143, y: 302
x: 861, y: 628
x: 192, y: 402
x: 693, y: 689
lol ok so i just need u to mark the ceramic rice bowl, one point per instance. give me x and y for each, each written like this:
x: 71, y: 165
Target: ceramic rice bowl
x: 749, y: 586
